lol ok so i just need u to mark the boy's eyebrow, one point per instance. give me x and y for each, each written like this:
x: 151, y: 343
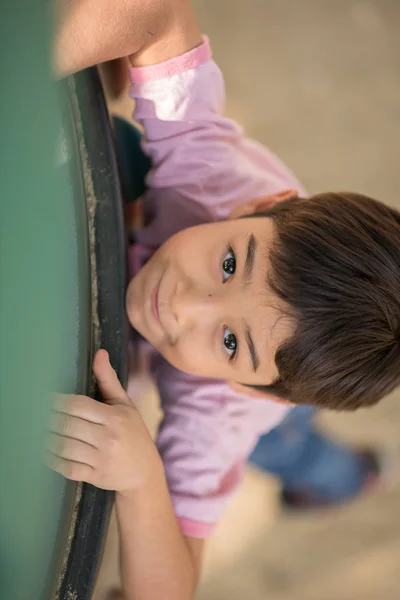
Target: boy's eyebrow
x: 249, y: 262
x: 247, y: 275
x: 255, y: 361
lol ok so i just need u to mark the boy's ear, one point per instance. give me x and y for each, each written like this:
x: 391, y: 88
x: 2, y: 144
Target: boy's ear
x: 244, y: 389
x: 261, y: 204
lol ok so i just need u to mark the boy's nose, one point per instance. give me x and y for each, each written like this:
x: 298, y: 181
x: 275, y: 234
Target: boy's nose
x: 192, y: 306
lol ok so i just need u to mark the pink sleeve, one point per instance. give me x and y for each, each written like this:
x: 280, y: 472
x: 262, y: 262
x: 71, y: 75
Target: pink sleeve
x: 206, y: 436
x: 202, y: 164
x: 180, y: 103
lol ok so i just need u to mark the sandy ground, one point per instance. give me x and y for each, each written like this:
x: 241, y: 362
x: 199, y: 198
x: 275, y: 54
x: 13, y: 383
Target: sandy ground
x: 317, y: 81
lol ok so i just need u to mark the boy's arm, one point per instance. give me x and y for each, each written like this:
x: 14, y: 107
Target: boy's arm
x: 89, y: 32
x: 157, y: 561
x: 108, y: 445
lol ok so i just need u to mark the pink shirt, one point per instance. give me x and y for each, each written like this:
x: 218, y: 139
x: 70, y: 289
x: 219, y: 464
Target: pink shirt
x: 202, y: 167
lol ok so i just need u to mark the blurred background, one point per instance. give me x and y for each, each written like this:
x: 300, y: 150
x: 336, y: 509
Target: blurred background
x: 318, y: 82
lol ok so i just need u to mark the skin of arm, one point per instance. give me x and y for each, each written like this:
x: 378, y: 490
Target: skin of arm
x: 108, y: 445
x: 156, y: 560
x: 89, y: 32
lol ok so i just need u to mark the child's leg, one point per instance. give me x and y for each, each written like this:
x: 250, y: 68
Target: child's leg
x: 314, y: 470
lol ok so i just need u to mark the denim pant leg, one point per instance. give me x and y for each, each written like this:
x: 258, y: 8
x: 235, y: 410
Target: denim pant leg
x: 306, y: 460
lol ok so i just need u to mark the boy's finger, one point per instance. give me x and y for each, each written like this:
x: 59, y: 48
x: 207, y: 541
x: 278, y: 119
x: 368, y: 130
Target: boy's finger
x: 71, y: 470
x: 72, y: 450
x: 76, y: 428
x: 109, y: 384
x: 82, y: 407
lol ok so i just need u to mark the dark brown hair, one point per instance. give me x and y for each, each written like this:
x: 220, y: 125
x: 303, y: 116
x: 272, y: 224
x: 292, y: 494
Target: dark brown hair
x: 335, y: 263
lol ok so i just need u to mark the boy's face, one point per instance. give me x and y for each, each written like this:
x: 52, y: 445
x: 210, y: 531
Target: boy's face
x: 203, y: 301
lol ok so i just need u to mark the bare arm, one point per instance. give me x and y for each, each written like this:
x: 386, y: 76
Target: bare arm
x: 157, y: 561
x: 89, y: 32
x: 108, y: 445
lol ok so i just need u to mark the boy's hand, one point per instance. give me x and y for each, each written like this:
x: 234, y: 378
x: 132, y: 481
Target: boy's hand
x: 107, y: 445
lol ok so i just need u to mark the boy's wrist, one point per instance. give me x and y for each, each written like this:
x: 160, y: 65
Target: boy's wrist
x: 148, y: 484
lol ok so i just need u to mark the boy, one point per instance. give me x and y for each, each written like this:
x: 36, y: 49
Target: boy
x: 272, y: 302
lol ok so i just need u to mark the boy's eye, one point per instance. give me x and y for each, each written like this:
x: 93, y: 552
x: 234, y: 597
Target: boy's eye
x: 230, y: 343
x: 228, y: 264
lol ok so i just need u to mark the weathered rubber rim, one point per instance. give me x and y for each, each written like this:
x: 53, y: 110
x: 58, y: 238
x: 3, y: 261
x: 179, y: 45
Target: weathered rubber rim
x: 89, y: 524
